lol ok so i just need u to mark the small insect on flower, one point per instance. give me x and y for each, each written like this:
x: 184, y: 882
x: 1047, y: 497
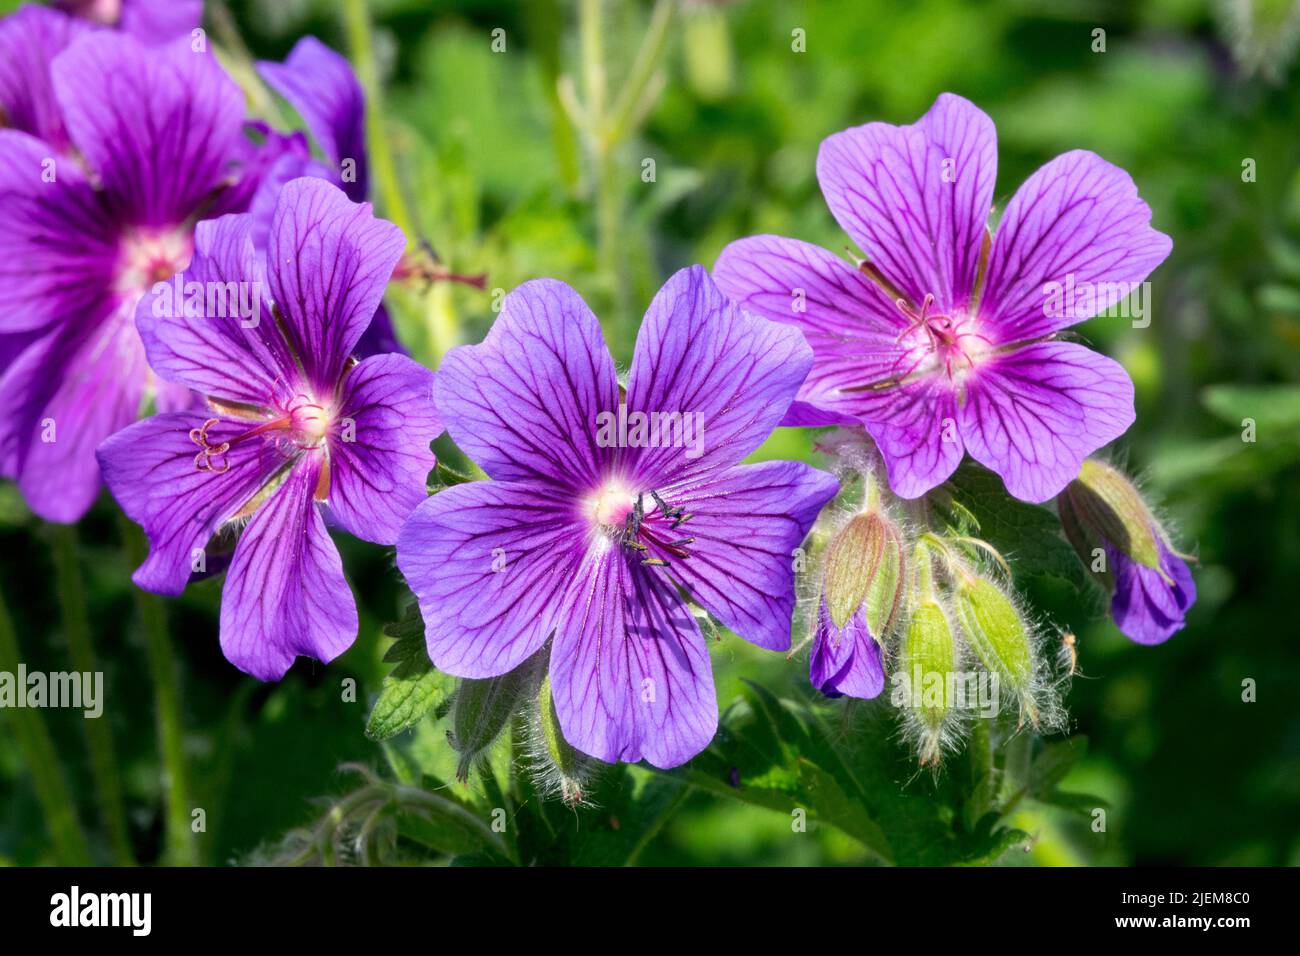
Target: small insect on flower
x: 1069, y: 653
x: 602, y: 539
x: 294, y: 428
x: 947, y: 338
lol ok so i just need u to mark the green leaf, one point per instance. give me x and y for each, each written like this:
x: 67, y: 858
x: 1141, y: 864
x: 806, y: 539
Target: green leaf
x: 442, y: 823
x: 1052, y: 763
x: 414, y: 688
x: 783, y: 755
x: 974, y: 501
x: 1082, y: 803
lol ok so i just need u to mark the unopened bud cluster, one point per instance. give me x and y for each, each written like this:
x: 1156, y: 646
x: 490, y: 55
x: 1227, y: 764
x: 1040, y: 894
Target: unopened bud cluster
x: 931, y: 615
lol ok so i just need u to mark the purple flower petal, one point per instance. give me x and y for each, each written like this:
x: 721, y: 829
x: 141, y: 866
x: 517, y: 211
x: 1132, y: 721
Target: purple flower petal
x: 1146, y: 606
x: 229, y: 349
x: 746, y: 524
x: 1078, y: 219
x: 917, y: 430
x: 59, y: 399
x: 630, y: 671
x: 285, y: 594
x: 917, y: 198
x: 379, y: 446
x: 329, y: 261
x: 845, y: 663
x: 1034, y: 414
x: 58, y: 245
x: 159, y: 125
x: 30, y: 38
x: 150, y: 469
x: 698, y: 355
x: 321, y: 86
x: 524, y: 404
x: 848, y: 321
x: 490, y: 562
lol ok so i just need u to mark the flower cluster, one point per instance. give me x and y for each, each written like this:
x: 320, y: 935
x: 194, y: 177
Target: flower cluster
x: 161, y: 252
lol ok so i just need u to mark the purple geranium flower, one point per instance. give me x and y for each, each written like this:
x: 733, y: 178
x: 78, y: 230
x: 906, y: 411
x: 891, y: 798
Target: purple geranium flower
x: 113, y: 158
x: 946, y: 339
x: 32, y: 36
x: 845, y: 661
x: 596, y: 516
x: 292, y: 422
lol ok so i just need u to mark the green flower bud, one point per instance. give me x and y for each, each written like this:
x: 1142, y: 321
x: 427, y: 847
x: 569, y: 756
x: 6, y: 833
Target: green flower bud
x: 928, y: 650
x: 929, y: 660
x: 865, y: 566
x: 482, y: 709
x: 1102, y: 507
x: 559, y: 768
x: 998, y: 634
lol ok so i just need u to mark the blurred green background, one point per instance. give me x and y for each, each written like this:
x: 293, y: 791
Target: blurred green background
x: 492, y: 170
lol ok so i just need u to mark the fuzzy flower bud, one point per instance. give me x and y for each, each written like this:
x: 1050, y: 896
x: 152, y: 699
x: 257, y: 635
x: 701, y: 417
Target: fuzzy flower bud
x: 929, y: 661
x: 865, y: 570
x: 559, y: 769
x: 998, y: 634
x: 1123, y: 545
x: 862, y: 591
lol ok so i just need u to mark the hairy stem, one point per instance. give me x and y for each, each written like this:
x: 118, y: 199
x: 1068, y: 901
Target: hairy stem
x: 356, y: 24
x: 440, y: 320
x: 606, y: 127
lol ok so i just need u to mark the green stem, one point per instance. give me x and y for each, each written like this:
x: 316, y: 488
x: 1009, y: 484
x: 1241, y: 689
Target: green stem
x: 179, y: 846
x: 99, y: 736
x: 43, y: 761
x: 591, y: 41
x: 983, y: 772
x: 607, y: 127
x: 631, y: 105
x: 440, y: 320
x: 599, y: 146
x: 356, y: 24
